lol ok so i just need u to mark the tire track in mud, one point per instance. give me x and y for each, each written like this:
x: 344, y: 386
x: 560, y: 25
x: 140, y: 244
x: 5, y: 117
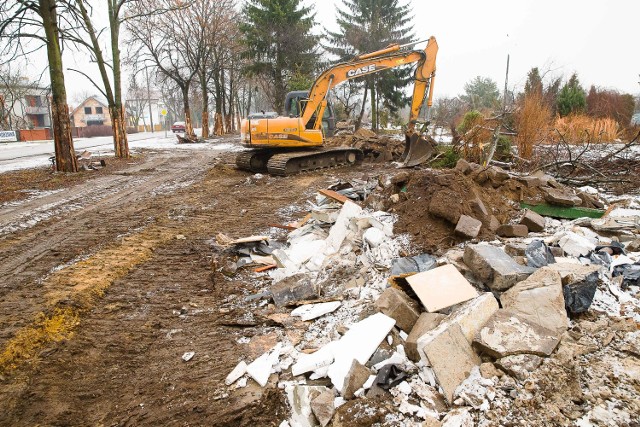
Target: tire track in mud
x: 30, y: 255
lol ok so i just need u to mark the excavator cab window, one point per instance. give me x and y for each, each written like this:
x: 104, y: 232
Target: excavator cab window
x: 295, y: 103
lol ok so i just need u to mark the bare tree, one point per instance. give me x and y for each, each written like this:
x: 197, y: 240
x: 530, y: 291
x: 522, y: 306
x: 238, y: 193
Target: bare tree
x: 27, y: 26
x: 175, y: 42
x: 14, y: 87
x: 137, y: 102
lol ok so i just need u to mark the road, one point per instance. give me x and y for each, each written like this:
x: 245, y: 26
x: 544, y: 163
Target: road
x: 21, y: 155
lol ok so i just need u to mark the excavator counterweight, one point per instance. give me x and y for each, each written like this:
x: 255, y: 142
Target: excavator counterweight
x: 292, y: 143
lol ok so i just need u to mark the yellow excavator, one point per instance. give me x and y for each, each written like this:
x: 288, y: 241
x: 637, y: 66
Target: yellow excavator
x: 285, y: 145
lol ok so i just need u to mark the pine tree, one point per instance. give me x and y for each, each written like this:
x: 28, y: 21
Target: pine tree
x: 277, y: 39
x: 571, y: 98
x: 369, y: 25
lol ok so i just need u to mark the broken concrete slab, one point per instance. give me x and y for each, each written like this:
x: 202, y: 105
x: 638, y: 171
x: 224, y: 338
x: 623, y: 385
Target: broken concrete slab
x: 451, y: 358
x: 506, y: 334
x: 358, y: 343
x: 519, y: 365
x: 320, y: 359
x: 441, y: 287
x: 478, y: 207
x: 515, y: 248
x: 561, y: 196
x: 512, y: 230
x: 298, y: 287
x: 468, y: 227
x: 469, y: 316
x: 539, y: 300
x: 576, y: 245
x: 323, y: 407
x: 494, y: 267
x: 534, y: 222
x: 538, y: 254
x: 300, y: 398
x: 356, y: 377
x: 397, y: 305
x: 313, y: 311
x: 426, y: 322
x: 340, y: 228
x: 236, y: 373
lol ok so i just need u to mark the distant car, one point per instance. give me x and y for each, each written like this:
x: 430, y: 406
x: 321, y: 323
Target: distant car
x: 263, y: 115
x: 178, y: 127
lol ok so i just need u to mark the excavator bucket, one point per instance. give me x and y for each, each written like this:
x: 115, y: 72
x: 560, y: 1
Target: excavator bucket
x: 417, y: 150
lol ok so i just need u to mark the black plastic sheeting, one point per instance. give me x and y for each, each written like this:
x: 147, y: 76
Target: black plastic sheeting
x: 389, y: 376
x: 538, y: 254
x: 630, y: 274
x: 578, y: 296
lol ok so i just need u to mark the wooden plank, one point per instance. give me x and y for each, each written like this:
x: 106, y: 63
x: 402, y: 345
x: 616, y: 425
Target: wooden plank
x: 334, y: 195
x: 285, y: 227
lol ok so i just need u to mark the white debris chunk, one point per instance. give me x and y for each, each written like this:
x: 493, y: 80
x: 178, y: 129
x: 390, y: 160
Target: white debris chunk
x: 237, y: 372
x: 311, y: 362
x: 312, y: 311
x: 339, y: 230
x: 359, y: 343
x: 260, y: 369
x: 188, y: 356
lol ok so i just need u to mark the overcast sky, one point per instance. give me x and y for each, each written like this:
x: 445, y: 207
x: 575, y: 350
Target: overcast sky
x: 597, y: 39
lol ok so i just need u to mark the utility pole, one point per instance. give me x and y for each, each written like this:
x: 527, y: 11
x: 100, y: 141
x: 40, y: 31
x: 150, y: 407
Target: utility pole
x: 146, y: 72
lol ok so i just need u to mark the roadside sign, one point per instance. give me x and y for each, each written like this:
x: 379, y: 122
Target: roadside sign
x: 163, y: 112
x: 8, y: 136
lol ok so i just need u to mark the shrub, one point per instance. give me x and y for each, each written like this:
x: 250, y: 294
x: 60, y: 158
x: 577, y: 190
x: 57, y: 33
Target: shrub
x: 448, y: 159
x: 533, y: 121
x: 580, y: 128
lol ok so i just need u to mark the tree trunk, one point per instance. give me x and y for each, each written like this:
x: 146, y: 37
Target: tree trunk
x: 205, y: 106
x: 187, y: 112
x: 217, y: 119
x: 65, y: 154
x: 120, y: 139
x: 364, y: 103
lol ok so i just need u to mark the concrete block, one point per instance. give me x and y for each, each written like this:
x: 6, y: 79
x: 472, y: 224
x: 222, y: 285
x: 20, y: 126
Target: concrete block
x: 463, y: 166
x: 323, y: 407
x: 515, y: 248
x: 539, y: 299
x: 534, y: 221
x: 506, y: 334
x: 561, y: 196
x: 479, y: 208
x: 293, y: 289
x: 441, y: 287
x: 356, y: 377
x: 451, y: 358
x: 512, y: 230
x: 575, y: 245
x: 468, y: 227
x: 426, y: 322
x: 397, y: 305
x: 494, y: 267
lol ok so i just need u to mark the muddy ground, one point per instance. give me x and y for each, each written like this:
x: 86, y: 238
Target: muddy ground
x: 106, y: 282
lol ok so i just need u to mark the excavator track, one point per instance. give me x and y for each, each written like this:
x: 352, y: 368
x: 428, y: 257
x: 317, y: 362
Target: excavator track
x: 254, y: 160
x: 290, y: 163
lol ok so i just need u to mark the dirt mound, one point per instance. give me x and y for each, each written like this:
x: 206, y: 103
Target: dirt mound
x: 376, y: 148
x: 430, y: 202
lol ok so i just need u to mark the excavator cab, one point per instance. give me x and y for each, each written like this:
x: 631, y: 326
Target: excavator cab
x: 295, y: 103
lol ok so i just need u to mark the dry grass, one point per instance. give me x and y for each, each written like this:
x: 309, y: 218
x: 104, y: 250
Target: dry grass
x: 580, y: 129
x: 533, y: 121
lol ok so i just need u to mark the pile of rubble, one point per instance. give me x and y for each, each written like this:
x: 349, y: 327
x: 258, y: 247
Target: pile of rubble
x: 489, y: 333
x: 376, y: 148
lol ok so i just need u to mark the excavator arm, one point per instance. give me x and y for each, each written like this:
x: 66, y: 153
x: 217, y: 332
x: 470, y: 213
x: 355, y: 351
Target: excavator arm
x: 374, y: 62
